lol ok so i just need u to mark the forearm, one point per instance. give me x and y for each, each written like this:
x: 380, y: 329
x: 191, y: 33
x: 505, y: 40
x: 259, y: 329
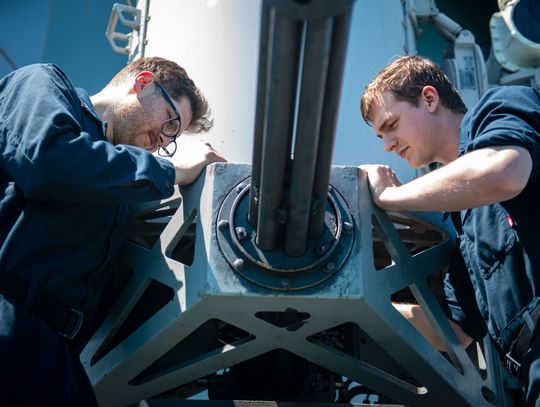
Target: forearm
x: 475, y: 179
x: 415, y: 315
x: 440, y: 190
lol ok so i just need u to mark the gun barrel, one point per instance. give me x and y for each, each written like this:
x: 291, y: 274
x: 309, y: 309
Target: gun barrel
x: 300, y: 66
x: 328, y: 124
x: 277, y: 125
x: 314, y: 70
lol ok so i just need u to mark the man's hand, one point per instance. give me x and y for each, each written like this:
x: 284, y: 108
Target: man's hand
x: 191, y: 158
x: 380, y: 177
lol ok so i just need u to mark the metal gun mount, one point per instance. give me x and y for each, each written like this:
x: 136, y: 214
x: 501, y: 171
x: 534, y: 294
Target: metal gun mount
x: 275, y: 281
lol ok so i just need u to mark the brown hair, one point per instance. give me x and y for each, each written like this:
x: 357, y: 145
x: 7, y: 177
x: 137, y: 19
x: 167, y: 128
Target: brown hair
x: 405, y: 78
x: 176, y: 82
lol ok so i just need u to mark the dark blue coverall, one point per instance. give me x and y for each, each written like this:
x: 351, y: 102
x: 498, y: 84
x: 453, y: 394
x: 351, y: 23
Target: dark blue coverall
x: 500, y: 243
x: 64, y: 191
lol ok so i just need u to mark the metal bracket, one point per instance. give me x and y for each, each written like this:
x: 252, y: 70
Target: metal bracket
x: 465, y: 67
x: 119, y: 12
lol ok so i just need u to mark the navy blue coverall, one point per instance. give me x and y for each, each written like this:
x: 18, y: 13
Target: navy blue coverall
x: 500, y: 243
x: 64, y: 190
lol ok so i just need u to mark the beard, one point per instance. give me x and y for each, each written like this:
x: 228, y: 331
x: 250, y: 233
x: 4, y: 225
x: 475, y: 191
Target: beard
x: 128, y: 125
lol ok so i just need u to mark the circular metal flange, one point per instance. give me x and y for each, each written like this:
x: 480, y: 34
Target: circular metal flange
x: 274, y: 269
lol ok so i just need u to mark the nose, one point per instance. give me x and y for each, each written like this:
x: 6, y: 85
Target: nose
x: 389, y: 143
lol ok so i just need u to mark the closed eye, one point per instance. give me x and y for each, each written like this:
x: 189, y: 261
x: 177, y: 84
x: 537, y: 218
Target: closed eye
x: 388, y: 126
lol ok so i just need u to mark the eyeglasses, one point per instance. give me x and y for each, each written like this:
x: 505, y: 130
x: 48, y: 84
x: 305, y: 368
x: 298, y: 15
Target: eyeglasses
x: 171, y: 127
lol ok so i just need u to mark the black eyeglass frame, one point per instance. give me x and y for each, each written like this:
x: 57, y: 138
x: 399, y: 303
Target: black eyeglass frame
x: 163, y: 151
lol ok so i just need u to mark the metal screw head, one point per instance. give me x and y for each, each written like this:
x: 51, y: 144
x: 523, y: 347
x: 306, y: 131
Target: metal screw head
x: 347, y: 227
x: 241, y: 233
x: 238, y: 264
x: 223, y: 224
x: 330, y: 267
x: 240, y: 188
x: 320, y: 250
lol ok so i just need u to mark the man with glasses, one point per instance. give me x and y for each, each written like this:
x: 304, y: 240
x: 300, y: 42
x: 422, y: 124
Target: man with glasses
x: 69, y: 166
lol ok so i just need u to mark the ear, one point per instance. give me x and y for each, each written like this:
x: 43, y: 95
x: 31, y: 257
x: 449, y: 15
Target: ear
x: 430, y: 98
x: 142, y: 80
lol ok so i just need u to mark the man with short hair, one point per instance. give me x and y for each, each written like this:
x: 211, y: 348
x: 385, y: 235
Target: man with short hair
x: 489, y: 181
x: 69, y: 166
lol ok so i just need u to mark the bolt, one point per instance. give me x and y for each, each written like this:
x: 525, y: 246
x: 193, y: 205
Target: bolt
x: 238, y: 264
x: 330, y: 267
x: 347, y: 227
x: 321, y: 249
x: 223, y: 224
x: 239, y: 188
x: 241, y: 233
